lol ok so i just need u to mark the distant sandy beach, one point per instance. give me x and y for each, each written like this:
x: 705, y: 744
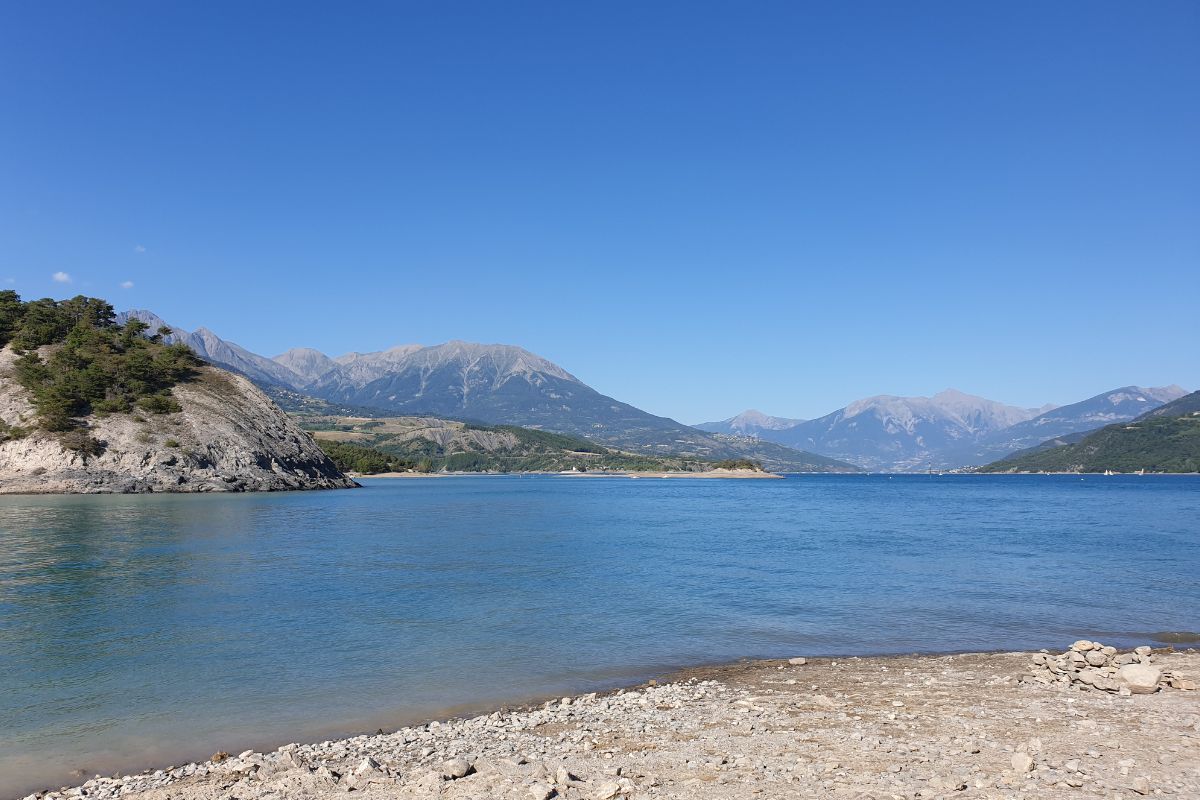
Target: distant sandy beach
x: 715, y: 473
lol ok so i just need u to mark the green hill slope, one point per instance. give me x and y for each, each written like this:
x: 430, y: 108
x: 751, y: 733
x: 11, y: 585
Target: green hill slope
x: 429, y: 444
x: 1166, y: 439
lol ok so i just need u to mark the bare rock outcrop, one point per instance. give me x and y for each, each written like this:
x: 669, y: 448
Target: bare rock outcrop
x: 229, y: 437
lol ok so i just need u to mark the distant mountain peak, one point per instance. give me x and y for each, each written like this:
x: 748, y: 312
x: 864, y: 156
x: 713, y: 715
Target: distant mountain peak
x: 306, y: 362
x: 750, y: 422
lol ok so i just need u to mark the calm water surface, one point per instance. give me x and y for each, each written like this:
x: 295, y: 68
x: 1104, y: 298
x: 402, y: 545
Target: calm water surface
x: 137, y: 630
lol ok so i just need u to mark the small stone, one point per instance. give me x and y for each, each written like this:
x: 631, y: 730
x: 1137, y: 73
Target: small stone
x: 324, y: 775
x: 797, y: 662
x: 1140, y: 785
x: 607, y: 790
x: 1022, y: 763
x: 455, y: 768
x: 540, y: 791
x: 1082, y: 646
x: 1096, y: 658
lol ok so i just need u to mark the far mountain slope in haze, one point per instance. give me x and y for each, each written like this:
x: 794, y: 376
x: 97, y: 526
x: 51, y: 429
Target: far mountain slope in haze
x: 749, y: 423
x: 1116, y: 405
x: 901, y: 434
x: 1166, y: 439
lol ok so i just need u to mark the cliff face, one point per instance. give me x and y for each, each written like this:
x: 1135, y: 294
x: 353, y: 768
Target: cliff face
x: 229, y: 438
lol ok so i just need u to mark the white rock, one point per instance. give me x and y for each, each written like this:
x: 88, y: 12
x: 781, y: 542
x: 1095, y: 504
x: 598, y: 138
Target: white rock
x: 607, y: 790
x: 367, y: 765
x: 1140, y: 678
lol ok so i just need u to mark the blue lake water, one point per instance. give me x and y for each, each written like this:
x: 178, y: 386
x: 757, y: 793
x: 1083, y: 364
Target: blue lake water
x: 142, y: 630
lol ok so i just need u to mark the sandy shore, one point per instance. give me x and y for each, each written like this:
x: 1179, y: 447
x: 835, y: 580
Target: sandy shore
x: 969, y: 725
x: 735, y: 474
x: 715, y: 473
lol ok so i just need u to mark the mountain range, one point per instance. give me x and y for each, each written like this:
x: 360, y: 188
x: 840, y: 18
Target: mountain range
x: 1165, y: 439
x: 950, y: 429
x: 493, y: 384
x: 501, y: 384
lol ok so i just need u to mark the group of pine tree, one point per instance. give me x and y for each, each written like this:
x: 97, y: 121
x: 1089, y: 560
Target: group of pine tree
x: 94, y: 367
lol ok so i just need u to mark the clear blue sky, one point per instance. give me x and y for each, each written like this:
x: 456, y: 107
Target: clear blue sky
x: 696, y: 208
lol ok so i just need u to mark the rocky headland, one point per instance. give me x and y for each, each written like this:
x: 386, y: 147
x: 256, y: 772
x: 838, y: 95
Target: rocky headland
x: 969, y: 726
x: 228, y: 437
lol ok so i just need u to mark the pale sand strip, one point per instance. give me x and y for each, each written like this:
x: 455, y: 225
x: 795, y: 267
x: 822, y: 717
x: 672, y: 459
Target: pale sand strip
x: 737, y: 474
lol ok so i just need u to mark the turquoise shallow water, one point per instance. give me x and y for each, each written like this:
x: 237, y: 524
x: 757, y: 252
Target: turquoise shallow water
x: 141, y: 630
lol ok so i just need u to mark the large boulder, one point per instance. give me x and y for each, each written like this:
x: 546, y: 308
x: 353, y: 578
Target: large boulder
x: 1140, y: 678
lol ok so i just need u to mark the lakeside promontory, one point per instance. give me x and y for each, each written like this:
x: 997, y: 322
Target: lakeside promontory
x: 89, y: 406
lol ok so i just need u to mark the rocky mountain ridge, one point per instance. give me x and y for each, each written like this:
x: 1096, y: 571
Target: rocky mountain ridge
x: 953, y: 429
x: 1067, y: 422
x: 492, y: 384
x: 1164, y: 439
x: 890, y: 433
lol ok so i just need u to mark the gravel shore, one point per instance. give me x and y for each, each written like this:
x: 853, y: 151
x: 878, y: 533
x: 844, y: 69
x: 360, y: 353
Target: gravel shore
x: 973, y: 725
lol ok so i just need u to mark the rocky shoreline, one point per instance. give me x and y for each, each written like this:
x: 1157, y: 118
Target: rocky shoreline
x: 968, y: 725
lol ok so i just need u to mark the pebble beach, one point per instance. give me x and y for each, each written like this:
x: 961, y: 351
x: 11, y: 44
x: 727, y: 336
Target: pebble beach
x: 998, y: 725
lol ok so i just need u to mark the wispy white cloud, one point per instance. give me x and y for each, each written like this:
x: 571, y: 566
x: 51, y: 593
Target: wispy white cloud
x: 61, y: 277
x: 126, y: 284
x: 139, y: 248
